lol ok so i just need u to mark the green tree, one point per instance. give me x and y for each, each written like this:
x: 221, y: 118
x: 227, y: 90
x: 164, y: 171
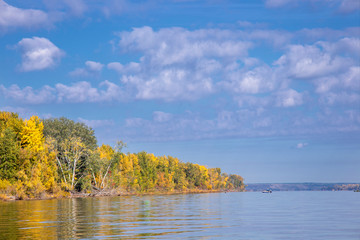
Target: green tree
x: 9, y: 155
x: 73, y: 142
x: 62, y: 128
x: 12, y: 121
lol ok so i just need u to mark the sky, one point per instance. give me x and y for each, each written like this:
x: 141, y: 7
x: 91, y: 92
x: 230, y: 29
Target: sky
x: 267, y: 89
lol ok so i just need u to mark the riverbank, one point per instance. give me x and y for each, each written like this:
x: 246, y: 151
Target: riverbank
x: 109, y: 193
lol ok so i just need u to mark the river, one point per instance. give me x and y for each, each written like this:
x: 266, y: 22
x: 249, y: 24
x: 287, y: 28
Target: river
x: 246, y: 215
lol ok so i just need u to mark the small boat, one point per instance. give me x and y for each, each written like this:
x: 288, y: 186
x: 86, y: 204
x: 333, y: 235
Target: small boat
x: 267, y: 191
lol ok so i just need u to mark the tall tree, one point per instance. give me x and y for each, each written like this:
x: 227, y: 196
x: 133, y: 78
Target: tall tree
x: 62, y: 128
x: 9, y: 154
x: 72, y: 142
x: 32, y: 136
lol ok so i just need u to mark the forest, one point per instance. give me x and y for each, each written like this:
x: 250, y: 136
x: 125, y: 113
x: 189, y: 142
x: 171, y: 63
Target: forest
x: 59, y: 157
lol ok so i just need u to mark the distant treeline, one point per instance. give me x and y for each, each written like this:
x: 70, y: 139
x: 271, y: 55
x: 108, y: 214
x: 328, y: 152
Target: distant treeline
x: 254, y: 187
x: 56, y: 157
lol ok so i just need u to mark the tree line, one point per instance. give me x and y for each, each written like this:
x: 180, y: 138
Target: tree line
x: 56, y: 157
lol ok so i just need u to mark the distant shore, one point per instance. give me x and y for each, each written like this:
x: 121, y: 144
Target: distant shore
x: 257, y: 187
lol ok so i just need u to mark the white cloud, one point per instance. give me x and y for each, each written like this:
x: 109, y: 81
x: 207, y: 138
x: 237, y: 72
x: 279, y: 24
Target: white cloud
x: 325, y: 84
x: 177, y: 63
x: 351, y: 79
x: 332, y: 66
x: 91, y: 69
x: 275, y: 37
x: 38, y: 54
x: 348, y: 46
x: 159, y: 116
x: 170, y: 85
x: 84, y: 92
x: 76, y: 93
x: 281, y: 98
x: 253, y: 101
x: 256, y: 80
x: 340, y: 97
x: 311, y: 62
x: 177, y: 45
x: 97, y: 123
x: 288, y: 98
x: 94, y: 66
x: 27, y: 95
x: 130, y: 68
x: 16, y: 17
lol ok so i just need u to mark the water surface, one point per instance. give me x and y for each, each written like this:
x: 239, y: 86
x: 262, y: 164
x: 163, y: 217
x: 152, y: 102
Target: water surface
x: 280, y: 215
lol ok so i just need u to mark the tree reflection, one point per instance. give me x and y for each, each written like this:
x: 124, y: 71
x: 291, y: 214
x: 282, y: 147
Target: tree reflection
x: 131, y: 217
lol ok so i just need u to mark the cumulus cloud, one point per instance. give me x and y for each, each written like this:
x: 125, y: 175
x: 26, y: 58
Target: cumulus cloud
x: 97, y: 123
x: 178, y: 64
x: 159, y: 116
x: 310, y: 61
x: 170, y: 85
x: 91, y: 69
x: 16, y: 17
x: 38, y: 54
x: 340, y: 97
x: 28, y: 95
x: 130, y: 68
x: 282, y: 98
x: 288, y: 98
x: 75, y: 93
x: 84, y: 92
x: 177, y: 45
x: 257, y: 80
x: 332, y: 66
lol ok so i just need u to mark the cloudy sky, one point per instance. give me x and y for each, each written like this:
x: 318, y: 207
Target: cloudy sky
x: 268, y: 89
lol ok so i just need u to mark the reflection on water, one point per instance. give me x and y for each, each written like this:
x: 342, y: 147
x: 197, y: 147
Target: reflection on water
x: 281, y: 215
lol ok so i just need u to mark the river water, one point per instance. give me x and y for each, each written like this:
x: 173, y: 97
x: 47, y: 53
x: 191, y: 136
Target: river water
x: 248, y: 215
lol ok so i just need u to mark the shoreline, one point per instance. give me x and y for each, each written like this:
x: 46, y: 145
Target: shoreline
x: 112, y: 193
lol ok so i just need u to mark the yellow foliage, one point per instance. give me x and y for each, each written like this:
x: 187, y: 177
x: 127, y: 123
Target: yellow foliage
x: 32, y: 134
x: 4, y: 184
x: 11, y: 120
x: 106, y: 151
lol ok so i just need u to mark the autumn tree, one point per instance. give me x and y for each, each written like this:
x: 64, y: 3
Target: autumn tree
x: 62, y: 128
x: 12, y: 121
x: 31, y: 135
x: 9, y: 154
x: 73, y: 143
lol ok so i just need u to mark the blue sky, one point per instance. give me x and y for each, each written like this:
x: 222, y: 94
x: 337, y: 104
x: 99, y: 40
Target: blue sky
x: 266, y: 89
